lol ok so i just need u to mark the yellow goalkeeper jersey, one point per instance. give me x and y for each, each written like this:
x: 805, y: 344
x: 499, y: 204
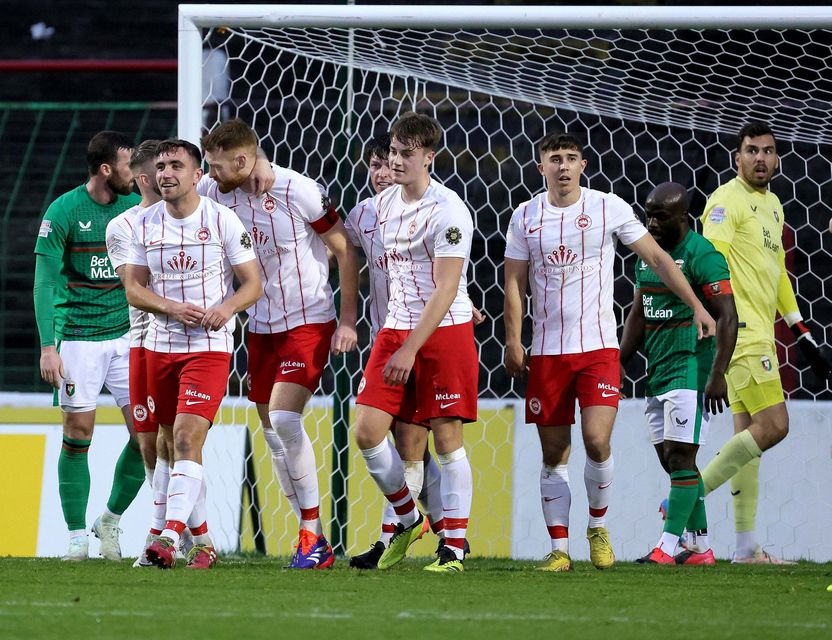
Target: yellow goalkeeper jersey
x: 746, y: 226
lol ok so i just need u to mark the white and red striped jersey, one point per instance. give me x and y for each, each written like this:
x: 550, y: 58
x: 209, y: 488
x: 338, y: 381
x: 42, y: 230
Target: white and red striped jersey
x: 190, y: 260
x: 571, y: 252
x: 414, y: 235
x: 285, y: 225
x: 119, y: 240
x: 362, y: 227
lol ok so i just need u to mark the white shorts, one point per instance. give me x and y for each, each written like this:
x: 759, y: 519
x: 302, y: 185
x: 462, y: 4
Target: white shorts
x: 90, y: 365
x: 678, y: 415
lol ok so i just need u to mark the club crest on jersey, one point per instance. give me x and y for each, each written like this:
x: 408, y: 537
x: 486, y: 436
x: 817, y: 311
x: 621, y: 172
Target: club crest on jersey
x: 245, y: 240
x: 411, y: 230
x: 182, y: 262
x: 203, y: 234
x: 453, y: 235
x: 679, y: 263
x: 269, y: 203
x: 535, y: 406
x: 85, y: 226
x: 151, y: 404
x: 776, y: 216
x: 562, y: 256
x: 583, y: 222
x: 113, y: 244
x: 362, y: 384
x: 766, y: 362
x: 717, y: 215
x: 45, y: 228
x: 140, y: 413
x: 69, y: 387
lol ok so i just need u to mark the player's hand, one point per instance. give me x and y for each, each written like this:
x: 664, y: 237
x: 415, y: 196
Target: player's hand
x: 215, y: 318
x: 516, y: 361
x: 705, y: 324
x: 818, y: 357
x: 186, y: 313
x: 622, y: 377
x: 261, y: 178
x: 479, y: 316
x: 716, y: 393
x: 344, y: 340
x: 51, y: 366
x: 398, y: 367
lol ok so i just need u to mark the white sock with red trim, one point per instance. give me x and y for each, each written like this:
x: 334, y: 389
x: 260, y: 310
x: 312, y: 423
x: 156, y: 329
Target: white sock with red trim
x: 198, y: 520
x: 183, y: 491
x: 389, y: 519
x: 457, y: 491
x: 385, y: 466
x: 556, y: 498
x: 280, y: 468
x: 161, y: 479
x: 598, y: 480
x: 300, y: 462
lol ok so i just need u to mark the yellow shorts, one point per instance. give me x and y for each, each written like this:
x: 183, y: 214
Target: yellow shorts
x: 754, y: 384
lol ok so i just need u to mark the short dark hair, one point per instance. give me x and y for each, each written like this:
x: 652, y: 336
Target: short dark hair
x: 378, y: 146
x: 103, y: 149
x: 231, y: 134
x: 172, y: 144
x: 144, y: 153
x: 752, y: 130
x: 417, y: 130
x: 559, y: 140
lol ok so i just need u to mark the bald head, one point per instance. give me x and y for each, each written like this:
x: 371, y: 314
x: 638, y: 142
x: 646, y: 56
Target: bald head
x: 666, y: 212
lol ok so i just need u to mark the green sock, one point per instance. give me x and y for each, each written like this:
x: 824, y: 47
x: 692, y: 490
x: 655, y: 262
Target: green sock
x: 684, y: 489
x: 745, y: 487
x: 731, y: 458
x: 74, y: 482
x: 128, y: 478
x: 698, y: 520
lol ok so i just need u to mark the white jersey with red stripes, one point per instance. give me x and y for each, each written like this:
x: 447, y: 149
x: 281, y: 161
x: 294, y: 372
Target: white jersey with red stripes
x: 439, y: 225
x: 362, y: 227
x: 571, y: 253
x: 119, y: 240
x: 190, y: 260
x: 285, y: 225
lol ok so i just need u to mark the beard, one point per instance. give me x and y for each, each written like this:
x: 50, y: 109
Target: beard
x: 119, y: 186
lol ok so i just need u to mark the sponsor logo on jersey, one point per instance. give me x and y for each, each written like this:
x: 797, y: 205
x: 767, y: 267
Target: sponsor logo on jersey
x: 583, y: 222
x: 768, y: 242
x: 245, y: 240
x: 607, y: 390
x: 203, y: 234
x: 192, y: 392
x: 563, y: 260
x: 269, y: 203
x: 101, y: 269
x: 448, y: 396
x: 140, y: 413
x: 293, y: 364
x: 182, y: 262
x: 562, y: 256
x: 69, y: 387
x: 396, y: 261
x: 85, y: 226
x: 535, y: 229
x: 535, y: 406
x: 453, y: 235
x: 654, y: 314
x: 45, y: 228
x: 717, y: 215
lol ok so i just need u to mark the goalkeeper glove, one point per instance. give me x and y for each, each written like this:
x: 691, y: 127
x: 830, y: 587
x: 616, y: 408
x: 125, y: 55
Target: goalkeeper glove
x: 820, y: 358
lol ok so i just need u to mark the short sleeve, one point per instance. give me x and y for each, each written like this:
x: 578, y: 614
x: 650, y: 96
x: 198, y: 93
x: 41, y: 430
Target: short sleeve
x: 711, y: 266
x: 138, y: 252
x: 516, y: 246
x: 624, y: 222
x: 235, y: 239
x: 452, y: 228
x: 119, y: 240
x: 204, y: 184
x: 719, y: 221
x: 351, y: 223
x: 313, y: 205
x: 53, y: 232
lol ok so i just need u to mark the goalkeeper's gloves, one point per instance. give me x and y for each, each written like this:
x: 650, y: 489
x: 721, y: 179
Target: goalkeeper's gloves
x: 819, y: 358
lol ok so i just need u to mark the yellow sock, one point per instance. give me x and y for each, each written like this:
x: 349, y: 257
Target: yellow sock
x: 738, y: 451
x: 745, y: 487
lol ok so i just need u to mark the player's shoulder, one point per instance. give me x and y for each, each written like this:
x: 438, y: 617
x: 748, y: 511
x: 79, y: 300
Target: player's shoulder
x: 125, y: 219
x: 361, y: 210
x: 609, y: 200
x: 289, y: 179
x: 530, y: 205
x: 66, y: 204
x: 447, y: 199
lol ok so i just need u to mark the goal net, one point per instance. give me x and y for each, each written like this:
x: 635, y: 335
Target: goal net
x: 652, y: 101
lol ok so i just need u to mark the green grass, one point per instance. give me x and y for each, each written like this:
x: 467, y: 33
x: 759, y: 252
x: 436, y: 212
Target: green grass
x: 255, y: 598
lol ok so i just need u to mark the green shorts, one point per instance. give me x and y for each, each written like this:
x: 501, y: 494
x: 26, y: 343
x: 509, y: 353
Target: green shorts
x: 754, y: 383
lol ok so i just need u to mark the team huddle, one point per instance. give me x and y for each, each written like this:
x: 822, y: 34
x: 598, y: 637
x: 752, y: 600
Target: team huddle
x: 138, y: 293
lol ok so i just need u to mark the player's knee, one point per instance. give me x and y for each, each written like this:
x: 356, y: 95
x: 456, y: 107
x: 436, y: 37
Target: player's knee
x: 597, y: 446
x: 287, y: 424
x: 676, y: 460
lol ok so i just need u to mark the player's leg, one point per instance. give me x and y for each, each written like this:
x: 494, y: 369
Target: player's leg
x: 431, y: 498
x: 159, y: 490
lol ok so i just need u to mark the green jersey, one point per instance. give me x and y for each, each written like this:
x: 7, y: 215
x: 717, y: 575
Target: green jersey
x: 675, y: 358
x: 89, y: 297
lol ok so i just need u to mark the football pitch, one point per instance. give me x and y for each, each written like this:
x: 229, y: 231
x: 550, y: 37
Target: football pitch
x: 245, y: 598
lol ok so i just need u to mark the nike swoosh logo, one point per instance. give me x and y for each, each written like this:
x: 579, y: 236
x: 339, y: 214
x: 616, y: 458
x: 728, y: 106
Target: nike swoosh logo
x: 547, y: 499
x: 445, y: 405
x: 159, y: 504
x: 152, y: 242
x: 604, y: 486
x: 188, y: 403
x: 233, y: 206
x: 285, y: 371
x: 298, y: 479
x: 369, y: 231
x: 735, y: 493
x: 535, y: 229
x: 608, y: 394
x: 171, y: 495
x: 381, y: 222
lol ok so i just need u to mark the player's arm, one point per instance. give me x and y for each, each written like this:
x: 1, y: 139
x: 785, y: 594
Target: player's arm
x: 662, y: 264
x: 249, y: 292
x: 819, y: 358
x: 47, y: 270
x: 721, y: 303
x: 516, y: 281
x: 447, y: 272
x: 135, y: 281
x: 633, y: 334
x: 339, y: 244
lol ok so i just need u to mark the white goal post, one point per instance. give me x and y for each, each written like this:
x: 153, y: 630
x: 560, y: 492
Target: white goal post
x: 656, y: 93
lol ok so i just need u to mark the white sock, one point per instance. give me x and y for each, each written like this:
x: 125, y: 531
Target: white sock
x: 414, y: 476
x: 280, y: 468
x: 161, y: 479
x: 300, y: 462
x: 556, y: 499
x: 389, y: 519
x: 598, y: 480
x: 431, y: 497
x: 198, y: 520
x: 667, y: 543
x: 457, y: 491
x: 110, y: 516
x: 746, y: 543
x: 148, y: 475
x: 385, y: 466
x: 78, y: 533
x: 183, y: 491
